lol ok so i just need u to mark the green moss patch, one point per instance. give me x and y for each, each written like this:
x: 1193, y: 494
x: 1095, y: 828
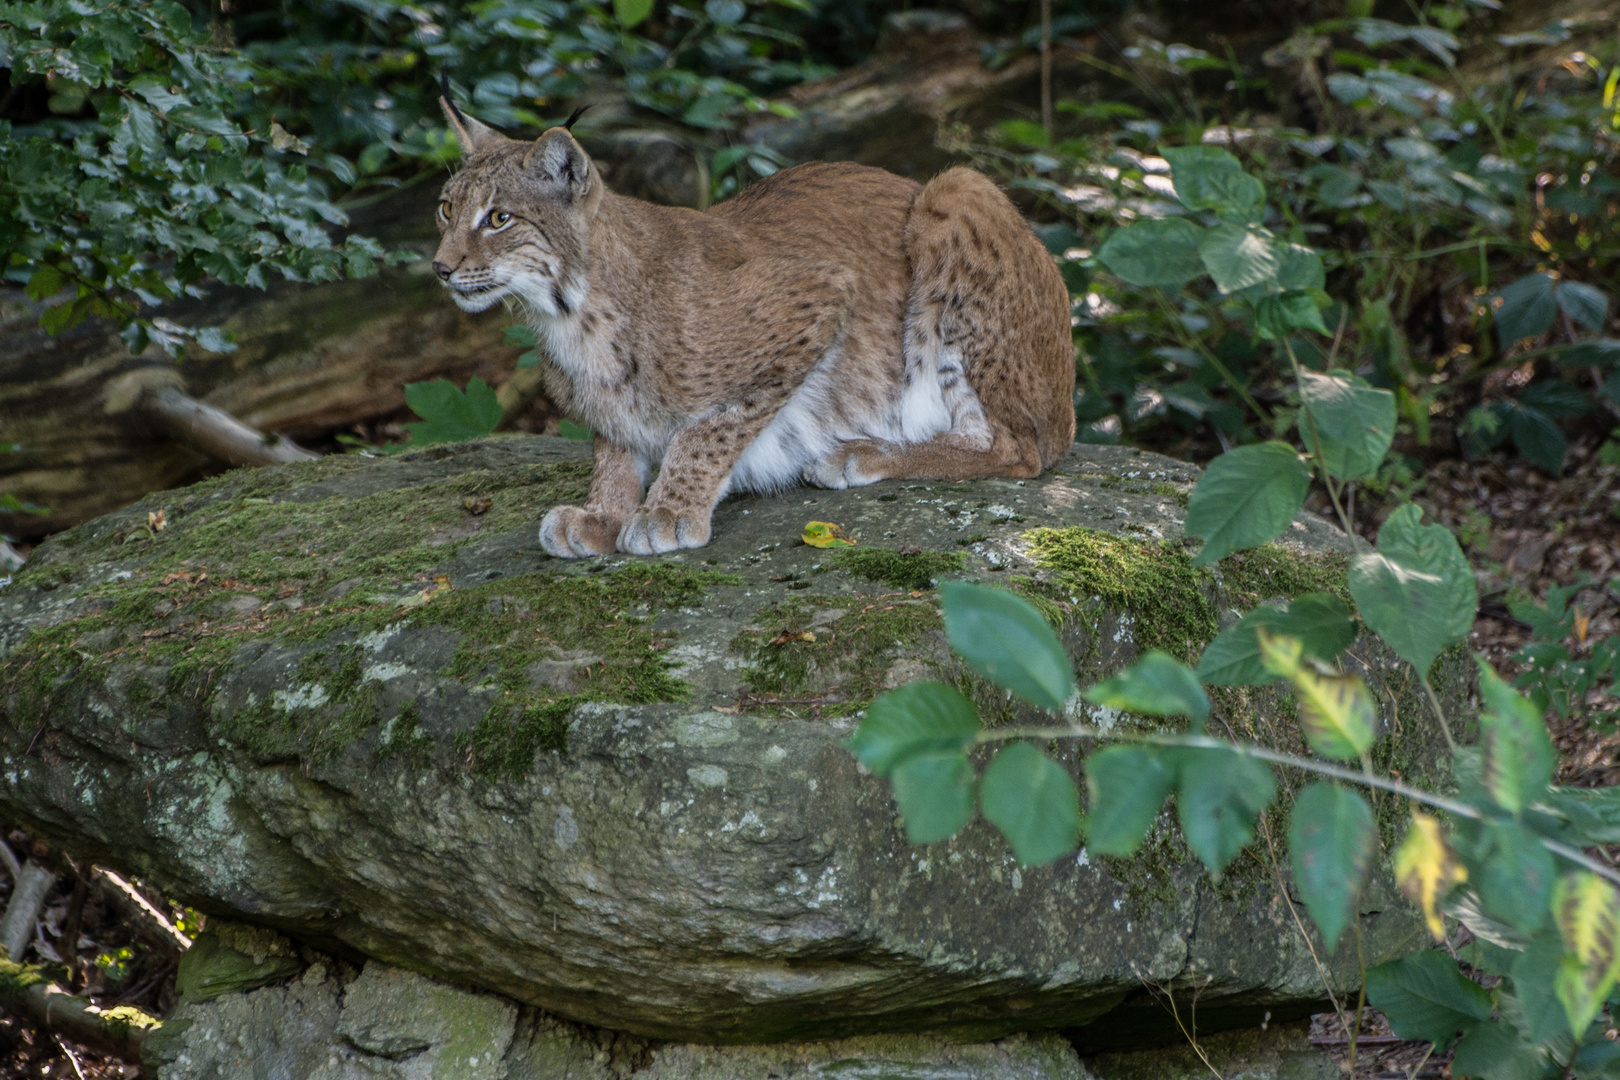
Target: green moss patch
x: 232, y: 568
x: 1172, y: 602
x: 831, y: 655
x: 898, y: 569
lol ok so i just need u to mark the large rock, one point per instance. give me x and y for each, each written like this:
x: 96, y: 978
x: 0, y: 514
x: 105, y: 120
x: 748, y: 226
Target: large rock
x: 352, y: 700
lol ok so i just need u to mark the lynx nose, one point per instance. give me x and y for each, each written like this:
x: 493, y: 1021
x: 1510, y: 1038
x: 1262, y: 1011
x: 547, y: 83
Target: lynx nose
x: 444, y: 270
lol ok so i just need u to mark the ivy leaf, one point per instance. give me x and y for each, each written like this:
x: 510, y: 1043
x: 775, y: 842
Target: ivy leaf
x: 1354, y: 422
x: 1238, y: 256
x: 1320, y: 622
x: 1587, y: 911
x: 917, y: 718
x: 1299, y: 268
x: 1535, y: 979
x: 1159, y: 251
x: 1003, y: 638
x: 1525, y: 309
x: 1246, y: 497
x: 1221, y: 796
x: 1331, y: 841
x: 1425, y: 996
x: 1033, y: 801
x: 1126, y: 786
x: 1417, y: 592
x: 1518, y: 757
x: 450, y: 415
x: 1585, y: 305
x: 935, y: 793
x: 1156, y: 685
x: 1426, y: 870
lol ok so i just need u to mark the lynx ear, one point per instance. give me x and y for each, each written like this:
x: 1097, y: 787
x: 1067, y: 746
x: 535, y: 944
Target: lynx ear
x: 559, y: 166
x: 471, y: 134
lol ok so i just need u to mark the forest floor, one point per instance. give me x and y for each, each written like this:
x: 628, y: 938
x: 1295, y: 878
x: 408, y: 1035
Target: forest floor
x: 1525, y: 530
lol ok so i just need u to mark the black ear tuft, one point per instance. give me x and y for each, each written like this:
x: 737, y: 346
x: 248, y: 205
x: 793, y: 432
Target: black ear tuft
x: 444, y: 90
x: 575, y: 115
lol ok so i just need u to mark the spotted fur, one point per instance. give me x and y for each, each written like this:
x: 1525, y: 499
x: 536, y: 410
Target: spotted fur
x: 832, y: 325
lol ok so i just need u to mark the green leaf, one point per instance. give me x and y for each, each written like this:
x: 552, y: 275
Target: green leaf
x: 1278, y: 316
x: 918, y: 718
x: 1585, y: 305
x: 570, y: 430
x: 1518, y: 878
x: 1538, y: 439
x: 1125, y: 788
x: 631, y: 13
x: 1222, y: 794
x: 1517, y: 756
x: 450, y: 415
x: 1159, y: 251
x: 1425, y: 996
x: 1299, y: 268
x: 1209, y: 178
x: 1238, y: 256
x: 1535, y: 980
x: 1496, y: 1051
x: 45, y: 283
x: 1003, y: 638
x: 1246, y: 497
x: 1033, y: 801
x: 1332, y: 839
x: 1321, y: 623
x: 1525, y: 309
x: 1596, y: 352
x: 1156, y: 685
x: 935, y: 793
x: 521, y: 335
x: 1417, y: 592
x: 1354, y: 422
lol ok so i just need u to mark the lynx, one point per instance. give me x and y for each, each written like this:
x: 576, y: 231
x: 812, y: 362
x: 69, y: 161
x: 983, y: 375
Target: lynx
x: 832, y: 325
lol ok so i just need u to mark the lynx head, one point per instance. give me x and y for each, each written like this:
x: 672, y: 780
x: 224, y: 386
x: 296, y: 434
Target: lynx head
x: 513, y: 221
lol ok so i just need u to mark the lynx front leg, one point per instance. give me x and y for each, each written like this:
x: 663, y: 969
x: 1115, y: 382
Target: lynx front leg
x: 693, y: 478
x: 617, y: 481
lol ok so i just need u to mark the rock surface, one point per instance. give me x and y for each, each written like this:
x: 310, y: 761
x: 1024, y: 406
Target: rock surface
x: 352, y: 700
x: 389, y: 1024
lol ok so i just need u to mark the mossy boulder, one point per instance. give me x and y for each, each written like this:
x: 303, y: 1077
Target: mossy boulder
x: 352, y: 701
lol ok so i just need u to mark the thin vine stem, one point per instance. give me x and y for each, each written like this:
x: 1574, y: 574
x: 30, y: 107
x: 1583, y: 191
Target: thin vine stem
x: 1277, y: 757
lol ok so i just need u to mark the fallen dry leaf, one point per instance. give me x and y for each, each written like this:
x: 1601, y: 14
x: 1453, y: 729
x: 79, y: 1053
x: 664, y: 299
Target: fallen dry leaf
x: 791, y: 635
x: 824, y: 534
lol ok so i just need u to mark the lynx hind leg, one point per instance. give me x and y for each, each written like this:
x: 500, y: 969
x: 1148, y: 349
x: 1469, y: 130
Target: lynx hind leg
x: 988, y: 306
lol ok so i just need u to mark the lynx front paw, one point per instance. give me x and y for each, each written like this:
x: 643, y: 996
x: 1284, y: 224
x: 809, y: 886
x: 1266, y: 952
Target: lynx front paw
x: 655, y: 530
x: 568, y: 532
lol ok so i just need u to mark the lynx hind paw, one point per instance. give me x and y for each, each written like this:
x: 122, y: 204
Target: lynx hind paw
x: 569, y: 532
x: 655, y: 530
x: 850, y: 464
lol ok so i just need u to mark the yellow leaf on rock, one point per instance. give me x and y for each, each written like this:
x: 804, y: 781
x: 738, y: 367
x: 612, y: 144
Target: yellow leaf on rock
x: 1427, y: 869
x: 824, y: 534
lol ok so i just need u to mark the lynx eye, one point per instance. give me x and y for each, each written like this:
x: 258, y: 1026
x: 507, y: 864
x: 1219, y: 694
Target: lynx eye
x: 444, y: 211
x: 498, y: 220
